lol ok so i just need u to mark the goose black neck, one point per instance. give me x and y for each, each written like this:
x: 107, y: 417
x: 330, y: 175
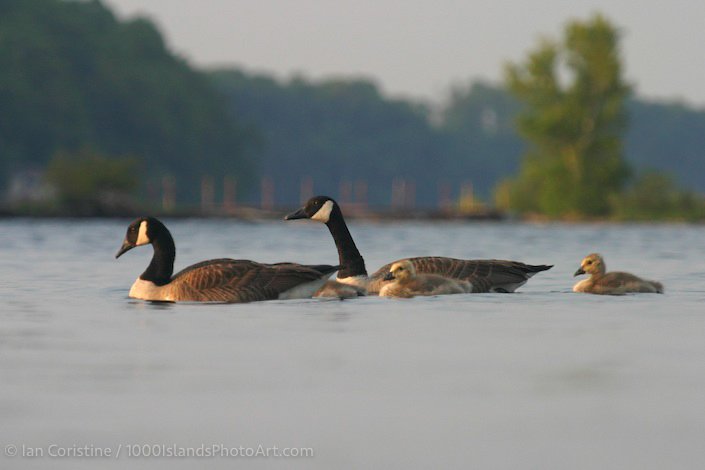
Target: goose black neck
x: 350, y: 260
x: 161, y: 267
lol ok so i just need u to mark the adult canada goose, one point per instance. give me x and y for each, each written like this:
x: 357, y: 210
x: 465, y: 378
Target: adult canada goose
x: 484, y: 275
x: 407, y: 283
x: 217, y: 280
x: 614, y: 283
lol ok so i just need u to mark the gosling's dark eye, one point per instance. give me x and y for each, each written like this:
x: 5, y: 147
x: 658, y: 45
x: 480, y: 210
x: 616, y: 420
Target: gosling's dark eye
x: 589, y: 262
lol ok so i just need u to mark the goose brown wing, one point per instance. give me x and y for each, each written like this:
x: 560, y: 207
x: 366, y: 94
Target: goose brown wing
x: 228, y: 280
x: 484, y: 275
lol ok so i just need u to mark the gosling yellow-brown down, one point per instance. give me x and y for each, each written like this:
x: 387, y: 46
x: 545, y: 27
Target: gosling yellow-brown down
x: 339, y: 290
x: 407, y: 283
x: 613, y: 283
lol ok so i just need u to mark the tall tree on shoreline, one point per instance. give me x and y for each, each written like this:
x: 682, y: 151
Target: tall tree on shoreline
x: 574, y: 117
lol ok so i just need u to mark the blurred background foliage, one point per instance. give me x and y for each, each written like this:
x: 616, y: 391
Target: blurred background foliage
x: 574, y: 117
x: 76, y: 80
x: 89, y: 183
x: 656, y: 196
x: 71, y: 76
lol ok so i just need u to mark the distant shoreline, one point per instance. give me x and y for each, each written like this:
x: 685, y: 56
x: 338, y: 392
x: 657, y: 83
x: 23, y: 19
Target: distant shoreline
x: 252, y: 213
x: 249, y: 213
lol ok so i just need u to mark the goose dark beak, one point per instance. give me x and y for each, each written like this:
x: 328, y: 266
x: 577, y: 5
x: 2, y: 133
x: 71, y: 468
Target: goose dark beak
x: 579, y: 272
x: 126, y: 246
x: 299, y: 214
x: 388, y: 277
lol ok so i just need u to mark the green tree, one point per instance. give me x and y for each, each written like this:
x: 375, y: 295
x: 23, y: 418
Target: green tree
x: 574, y: 116
x: 654, y: 195
x: 89, y: 183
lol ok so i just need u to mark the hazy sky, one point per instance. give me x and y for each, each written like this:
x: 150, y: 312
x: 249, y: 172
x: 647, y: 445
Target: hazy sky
x: 419, y: 48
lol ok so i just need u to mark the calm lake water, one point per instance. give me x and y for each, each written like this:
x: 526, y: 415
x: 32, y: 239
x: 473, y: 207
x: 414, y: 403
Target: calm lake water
x: 540, y: 379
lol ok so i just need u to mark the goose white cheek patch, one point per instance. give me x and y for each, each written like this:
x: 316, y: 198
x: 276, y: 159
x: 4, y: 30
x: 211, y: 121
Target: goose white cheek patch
x: 323, y: 214
x: 142, y: 238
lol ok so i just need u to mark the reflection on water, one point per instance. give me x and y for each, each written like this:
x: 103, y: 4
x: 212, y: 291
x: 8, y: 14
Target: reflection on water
x: 539, y: 379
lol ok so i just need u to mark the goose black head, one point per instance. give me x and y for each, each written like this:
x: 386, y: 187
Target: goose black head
x: 317, y: 208
x: 140, y: 232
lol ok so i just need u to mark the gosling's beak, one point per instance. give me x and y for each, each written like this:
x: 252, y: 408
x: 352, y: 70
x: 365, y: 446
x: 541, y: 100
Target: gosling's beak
x: 579, y: 271
x: 389, y: 276
x: 126, y: 246
x: 299, y: 214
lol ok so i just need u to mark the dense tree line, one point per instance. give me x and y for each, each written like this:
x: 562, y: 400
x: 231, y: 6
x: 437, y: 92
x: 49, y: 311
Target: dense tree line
x: 478, y: 122
x: 669, y: 137
x: 336, y: 132
x: 664, y: 136
x: 72, y: 76
x: 339, y: 131
x: 75, y: 81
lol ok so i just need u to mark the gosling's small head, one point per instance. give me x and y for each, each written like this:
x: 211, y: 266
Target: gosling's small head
x: 591, y: 264
x: 317, y: 208
x: 401, y: 271
x: 140, y: 232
